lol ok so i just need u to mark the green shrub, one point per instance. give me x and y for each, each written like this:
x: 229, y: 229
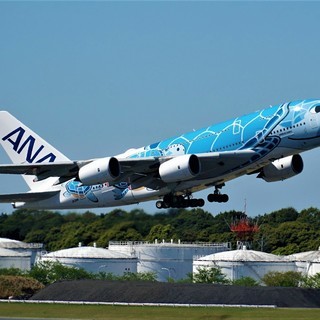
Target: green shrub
x: 245, y: 282
x: 11, y: 272
x: 17, y: 286
x: 210, y: 275
x: 48, y: 272
x: 127, y: 276
x: 283, y: 279
x: 311, y: 281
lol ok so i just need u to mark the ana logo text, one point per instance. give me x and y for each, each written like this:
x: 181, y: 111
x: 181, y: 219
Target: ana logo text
x: 21, y: 142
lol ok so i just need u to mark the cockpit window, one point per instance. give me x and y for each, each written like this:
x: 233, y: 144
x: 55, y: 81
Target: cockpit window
x: 315, y: 109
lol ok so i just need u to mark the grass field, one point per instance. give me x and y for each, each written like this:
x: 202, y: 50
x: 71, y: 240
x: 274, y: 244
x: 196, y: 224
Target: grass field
x: 154, y: 313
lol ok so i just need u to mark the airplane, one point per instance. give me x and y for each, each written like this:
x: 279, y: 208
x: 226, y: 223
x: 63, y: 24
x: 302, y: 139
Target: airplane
x: 266, y: 143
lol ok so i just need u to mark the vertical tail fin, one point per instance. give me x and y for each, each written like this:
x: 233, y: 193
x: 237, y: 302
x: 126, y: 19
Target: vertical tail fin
x: 24, y: 146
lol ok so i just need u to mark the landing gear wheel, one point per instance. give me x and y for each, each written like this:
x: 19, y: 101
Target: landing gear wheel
x: 211, y: 197
x: 159, y: 204
x: 172, y: 201
x: 224, y: 198
x: 193, y: 203
x: 216, y: 196
x: 201, y: 202
x: 177, y: 201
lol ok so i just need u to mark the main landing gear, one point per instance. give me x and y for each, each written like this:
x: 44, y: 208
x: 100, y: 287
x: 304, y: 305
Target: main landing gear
x: 172, y: 201
x: 217, y: 196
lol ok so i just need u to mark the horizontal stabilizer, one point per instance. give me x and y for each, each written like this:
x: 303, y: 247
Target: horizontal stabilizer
x: 27, y: 196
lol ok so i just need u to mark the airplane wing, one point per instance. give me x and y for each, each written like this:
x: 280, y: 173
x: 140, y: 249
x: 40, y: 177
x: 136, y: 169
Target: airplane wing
x: 207, y: 160
x: 70, y: 169
x: 139, y: 171
x: 26, y: 197
x: 144, y: 171
x: 223, y: 162
x: 66, y: 170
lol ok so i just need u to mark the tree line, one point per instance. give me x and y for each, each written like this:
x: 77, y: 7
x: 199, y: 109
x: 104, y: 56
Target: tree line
x: 284, y: 231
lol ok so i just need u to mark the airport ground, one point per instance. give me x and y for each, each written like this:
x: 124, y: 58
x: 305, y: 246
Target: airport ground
x: 57, y: 311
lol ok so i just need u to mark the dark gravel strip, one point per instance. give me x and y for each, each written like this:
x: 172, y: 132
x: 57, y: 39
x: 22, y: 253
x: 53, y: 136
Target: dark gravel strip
x: 178, y: 293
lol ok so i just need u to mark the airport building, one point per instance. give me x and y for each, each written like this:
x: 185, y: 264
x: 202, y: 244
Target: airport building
x: 13, y: 259
x: 167, y: 259
x: 33, y: 250
x: 307, y: 263
x: 236, y: 264
x: 94, y: 260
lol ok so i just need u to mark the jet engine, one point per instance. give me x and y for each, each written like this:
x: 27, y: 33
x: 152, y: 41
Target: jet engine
x: 180, y: 168
x: 100, y: 171
x: 282, y: 169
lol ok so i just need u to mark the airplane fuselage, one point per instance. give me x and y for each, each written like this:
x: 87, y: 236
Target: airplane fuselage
x: 274, y: 133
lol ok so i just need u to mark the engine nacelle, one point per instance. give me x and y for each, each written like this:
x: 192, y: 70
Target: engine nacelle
x: 180, y: 168
x: 100, y: 171
x: 282, y: 169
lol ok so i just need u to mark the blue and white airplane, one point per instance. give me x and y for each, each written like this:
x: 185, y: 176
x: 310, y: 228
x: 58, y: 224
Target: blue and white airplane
x: 267, y: 143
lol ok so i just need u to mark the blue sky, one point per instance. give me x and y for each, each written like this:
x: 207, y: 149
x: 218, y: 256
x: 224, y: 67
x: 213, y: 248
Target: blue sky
x: 95, y: 79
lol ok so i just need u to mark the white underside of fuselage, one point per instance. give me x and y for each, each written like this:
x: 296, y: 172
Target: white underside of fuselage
x: 110, y: 196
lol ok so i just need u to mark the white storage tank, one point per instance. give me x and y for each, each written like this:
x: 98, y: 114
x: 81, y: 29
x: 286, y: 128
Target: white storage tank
x: 245, y: 263
x: 94, y: 260
x: 23, y: 247
x: 13, y: 259
x: 307, y: 263
x: 167, y: 259
x: 314, y: 267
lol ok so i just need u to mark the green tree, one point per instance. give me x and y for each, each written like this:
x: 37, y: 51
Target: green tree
x: 48, y: 272
x: 295, y: 235
x: 280, y: 216
x: 282, y: 279
x: 310, y: 216
x: 188, y: 224
x: 245, y: 282
x: 210, y: 275
x: 160, y: 232
x: 311, y: 281
x: 284, y: 231
x: 222, y: 221
x: 139, y: 276
x: 188, y: 279
x: 288, y: 249
x: 36, y: 236
x: 11, y: 272
x: 102, y: 275
x: 122, y: 231
x: 71, y: 233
